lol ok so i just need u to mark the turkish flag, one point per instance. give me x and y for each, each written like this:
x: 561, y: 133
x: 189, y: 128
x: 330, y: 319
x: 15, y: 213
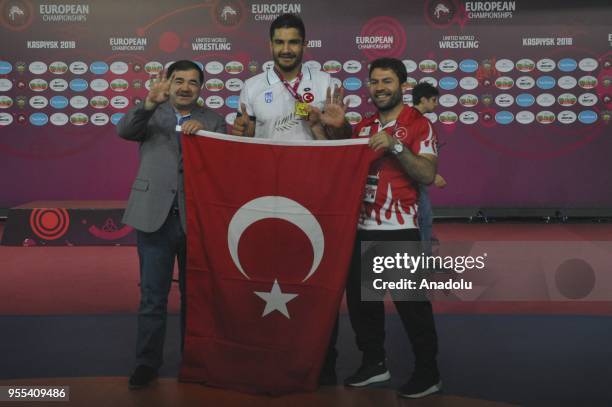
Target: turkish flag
x: 270, y: 230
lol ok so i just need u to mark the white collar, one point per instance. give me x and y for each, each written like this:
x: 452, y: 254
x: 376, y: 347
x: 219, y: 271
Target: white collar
x: 273, y: 77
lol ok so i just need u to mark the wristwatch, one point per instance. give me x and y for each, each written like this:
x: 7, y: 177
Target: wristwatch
x: 397, y: 148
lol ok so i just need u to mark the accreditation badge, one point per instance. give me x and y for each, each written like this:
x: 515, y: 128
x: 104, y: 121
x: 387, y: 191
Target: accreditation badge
x: 301, y: 110
x: 370, y: 189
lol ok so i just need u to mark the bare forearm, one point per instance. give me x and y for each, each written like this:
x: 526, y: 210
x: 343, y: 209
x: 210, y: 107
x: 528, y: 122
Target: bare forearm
x: 420, y: 169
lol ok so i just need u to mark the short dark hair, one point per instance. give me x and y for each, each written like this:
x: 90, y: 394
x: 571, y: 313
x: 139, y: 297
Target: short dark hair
x: 185, y: 65
x: 288, y: 21
x: 423, y: 90
x: 393, y: 64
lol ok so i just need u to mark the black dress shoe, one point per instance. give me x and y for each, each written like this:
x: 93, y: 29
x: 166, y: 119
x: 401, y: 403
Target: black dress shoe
x: 142, y: 377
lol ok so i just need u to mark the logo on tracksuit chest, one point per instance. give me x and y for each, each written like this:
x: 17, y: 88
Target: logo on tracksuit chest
x: 268, y: 97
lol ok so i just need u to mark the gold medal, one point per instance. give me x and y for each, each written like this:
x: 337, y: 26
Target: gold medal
x: 301, y: 110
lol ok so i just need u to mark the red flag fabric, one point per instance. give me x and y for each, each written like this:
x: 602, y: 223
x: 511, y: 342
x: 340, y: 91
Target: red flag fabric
x: 270, y: 230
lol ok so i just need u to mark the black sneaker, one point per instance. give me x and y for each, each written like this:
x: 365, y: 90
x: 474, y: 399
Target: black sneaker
x: 421, y: 385
x: 142, y: 377
x: 368, y: 373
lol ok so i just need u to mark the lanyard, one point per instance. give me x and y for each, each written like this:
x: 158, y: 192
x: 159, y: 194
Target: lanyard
x: 292, y: 89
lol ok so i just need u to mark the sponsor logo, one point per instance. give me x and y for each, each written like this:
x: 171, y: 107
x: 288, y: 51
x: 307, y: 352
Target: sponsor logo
x: 58, y: 85
x: 429, y: 79
x: 525, y: 117
x: 458, y: 42
x: 352, y: 66
x: 78, y: 67
x: 353, y: 118
x: 5, y: 68
x: 545, y: 100
x: 313, y: 65
x: 118, y: 67
x: 39, y: 102
x: 119, y: 102
x: 428, y: 66
x: 22, y: 101
x: 406, y: 99
x: 214, y: 102
x: 100, y: 119
x: 5, y: 119
x: 432, y: 117
x: 58, y: 68
x: 78, y: 102
x: 545, y: 117
x: 38, y: 68
x: 234, y: 84
x: 587, y: 99
x: 39, y: 119
x: 448, y: 66
x: 79, y: 119
x: 119, y: 85
x: 567, y: 82
x: 352, y: 101
x: 546, y: 65
x: 20, y: 66
x: 410, y: 83
x: 352, y: 83
x: 525, y: 82
x: 78, y: 85
x: 567, y: 99
x: 99, y: 85
x: 525, y: 65
x: 468, y: 100
x: 504, y: 83
x: 153, y: 68
x: 5, y: 85
x: 546, y: 82
x: 59, y: 119
x: 38, y: 85
x: 448, y: 117
x: 136, y: 67
x: 587, y: 82
x: 116, y: 117
x: 410, y: 65
x: 5, y: 102
x: 588, y: 64
x: 468, y: 117
x: 98, y: 68
x: 606, y: 116
x: 98, y: 102
x: 253, y: 66
x: 587, y: 117
x: 448, y: 83
x: 567, y: 65
x: 468, y: 65
x: 214, y: 85
x: 468, y: 83
x: 504, y: 65
x: 504, y: 100
x: 525, y: 100
x: 504, y: 117
x: 232, y: 102
x: 230, y: 118
x: 332, y: 66
x: 127, y: 43
x: 566, y: 117
x: 234, y: 67
x: 447, y: 100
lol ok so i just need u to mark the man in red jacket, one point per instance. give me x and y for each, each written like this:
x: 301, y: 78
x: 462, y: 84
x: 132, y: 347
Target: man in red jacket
x: 389, y: 213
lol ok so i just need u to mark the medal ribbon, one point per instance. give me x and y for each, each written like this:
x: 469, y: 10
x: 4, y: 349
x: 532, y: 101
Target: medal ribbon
x: 292, y: 89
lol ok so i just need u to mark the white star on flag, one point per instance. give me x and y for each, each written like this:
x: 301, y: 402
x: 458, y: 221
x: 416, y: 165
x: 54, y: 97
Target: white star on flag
x: 275, y: 300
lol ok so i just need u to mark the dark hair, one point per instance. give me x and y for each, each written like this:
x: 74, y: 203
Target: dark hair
x: 288, y: 21
x: 185, y: 65
x: 423, y: 90
x: 393, y: 64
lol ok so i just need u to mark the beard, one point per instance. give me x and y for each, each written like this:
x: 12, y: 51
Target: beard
x: 394, y: 99
x: 297, y: 60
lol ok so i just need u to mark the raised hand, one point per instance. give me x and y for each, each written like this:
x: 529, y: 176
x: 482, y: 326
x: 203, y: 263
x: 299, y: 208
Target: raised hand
x: 241, y: 123
x: 159, y: 91
x: 334, y: 109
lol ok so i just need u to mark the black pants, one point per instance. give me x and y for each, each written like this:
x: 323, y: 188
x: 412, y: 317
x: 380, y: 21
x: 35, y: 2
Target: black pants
x: 368, y: 317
